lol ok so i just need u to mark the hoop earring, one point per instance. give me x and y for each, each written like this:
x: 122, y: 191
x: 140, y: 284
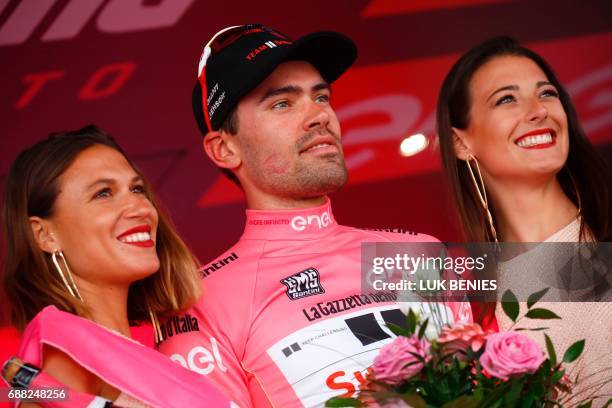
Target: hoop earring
x: 569, y: 173
x: 482, y: 195
x: 157, y: 333
x: 72, y: 287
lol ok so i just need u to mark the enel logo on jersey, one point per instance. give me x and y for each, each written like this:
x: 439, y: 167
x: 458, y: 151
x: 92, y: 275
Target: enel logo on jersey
x: 299, y: 223
x: 201, y: 360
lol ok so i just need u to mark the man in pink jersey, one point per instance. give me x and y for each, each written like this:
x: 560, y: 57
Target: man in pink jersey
x: 283, y: 321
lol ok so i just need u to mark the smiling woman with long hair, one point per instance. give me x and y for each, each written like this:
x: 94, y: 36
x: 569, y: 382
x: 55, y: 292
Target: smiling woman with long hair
x: 90, y: 253
x: 522, y: 170
x: 528, y: 143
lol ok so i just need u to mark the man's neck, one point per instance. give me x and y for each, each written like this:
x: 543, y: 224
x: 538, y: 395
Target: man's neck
x: 290, y: 223
x: 283, y: 203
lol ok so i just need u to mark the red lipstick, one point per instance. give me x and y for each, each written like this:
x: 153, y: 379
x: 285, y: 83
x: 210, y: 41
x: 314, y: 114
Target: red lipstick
x: 538, y: 145
x: 138, y: 229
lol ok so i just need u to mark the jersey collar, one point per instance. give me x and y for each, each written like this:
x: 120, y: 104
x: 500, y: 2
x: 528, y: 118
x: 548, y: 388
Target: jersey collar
x: 305, y: 223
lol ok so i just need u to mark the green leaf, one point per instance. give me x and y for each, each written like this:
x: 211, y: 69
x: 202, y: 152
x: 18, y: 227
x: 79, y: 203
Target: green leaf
x: 541, y: 314
x: 410, y: 397
x: 423, y: 328
x: 535, y: 297
x: 510, y: 305
x: 398, y: 330
x: 495, y: 397
x: 573, y: 351
x: 414, y: 400
x: 557, y: 377
x: 343, y: 402
x: 590, y: 403
x: 539, y: 388
x: 496, y: 404
x: 547, y: 366
x: 551, y: 351
x: 528, y: 401
x: 411, y: 319
x: 512, y: 397
x: 462, y: 402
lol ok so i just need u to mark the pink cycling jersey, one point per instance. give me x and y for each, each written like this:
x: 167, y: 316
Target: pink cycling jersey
x: 283, y: 321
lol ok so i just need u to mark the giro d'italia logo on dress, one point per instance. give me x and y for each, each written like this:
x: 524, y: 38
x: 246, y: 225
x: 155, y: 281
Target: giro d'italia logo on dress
x: 303, y: 284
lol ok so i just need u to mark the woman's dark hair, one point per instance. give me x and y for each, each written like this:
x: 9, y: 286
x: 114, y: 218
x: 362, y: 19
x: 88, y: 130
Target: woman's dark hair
x: 31, y: 281
x: 585, y: 178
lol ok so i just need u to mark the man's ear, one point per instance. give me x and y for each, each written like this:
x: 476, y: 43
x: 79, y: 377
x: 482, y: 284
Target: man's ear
x: 222, y: 149
x: 41, y: 230
x: 462, y: 150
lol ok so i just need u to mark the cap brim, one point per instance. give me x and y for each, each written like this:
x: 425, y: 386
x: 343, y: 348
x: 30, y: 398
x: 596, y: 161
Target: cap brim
x: 330, y: 52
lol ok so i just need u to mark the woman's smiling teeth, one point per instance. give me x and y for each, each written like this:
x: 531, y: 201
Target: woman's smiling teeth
x: 136, y: 237
x: 530, y: 141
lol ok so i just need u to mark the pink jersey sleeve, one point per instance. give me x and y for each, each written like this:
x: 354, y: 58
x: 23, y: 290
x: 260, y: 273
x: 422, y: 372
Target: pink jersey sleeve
x: 208, y: 339
x: 208, y: 351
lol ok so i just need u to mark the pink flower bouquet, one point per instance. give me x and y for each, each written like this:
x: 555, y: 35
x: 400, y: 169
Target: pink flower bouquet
x: 466, y: 367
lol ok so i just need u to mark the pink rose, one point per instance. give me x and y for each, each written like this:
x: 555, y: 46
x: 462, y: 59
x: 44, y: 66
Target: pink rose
x: 511, y: 353
x: 459, y: 338
x: 395, y: 362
